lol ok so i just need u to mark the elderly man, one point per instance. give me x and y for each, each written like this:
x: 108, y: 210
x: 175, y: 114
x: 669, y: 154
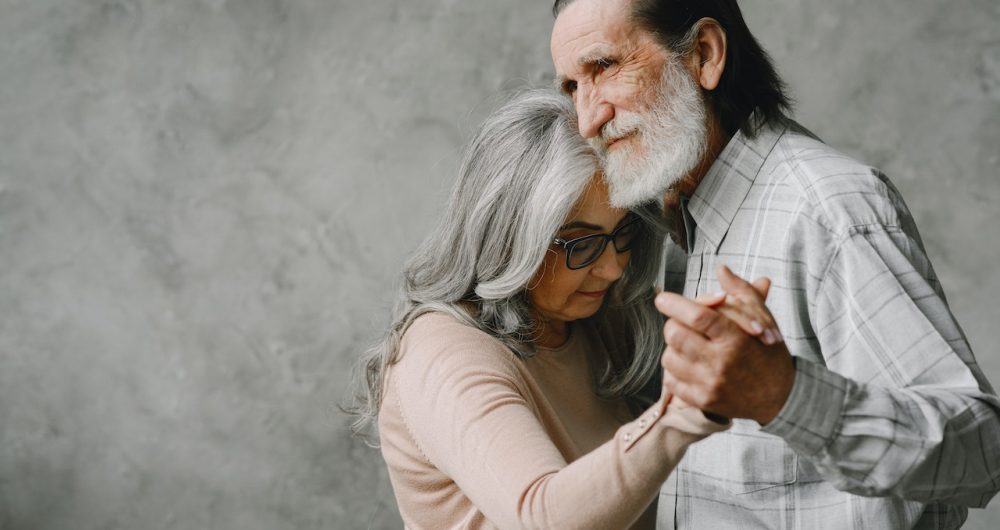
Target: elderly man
x: 871, y: 412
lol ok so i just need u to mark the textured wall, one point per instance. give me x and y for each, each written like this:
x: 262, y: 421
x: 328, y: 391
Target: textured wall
x: 203, y: 204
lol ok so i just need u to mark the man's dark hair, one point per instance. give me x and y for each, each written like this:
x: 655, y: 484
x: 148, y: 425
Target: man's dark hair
x: 749, y: 81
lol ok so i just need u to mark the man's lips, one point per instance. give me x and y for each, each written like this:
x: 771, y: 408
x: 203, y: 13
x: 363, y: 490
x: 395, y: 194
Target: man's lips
x: 616, y: 141
x: 593, y: 294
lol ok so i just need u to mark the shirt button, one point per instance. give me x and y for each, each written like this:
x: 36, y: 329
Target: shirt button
x: 656, y: 414
x: 642, y: 423
x: 627, y: 437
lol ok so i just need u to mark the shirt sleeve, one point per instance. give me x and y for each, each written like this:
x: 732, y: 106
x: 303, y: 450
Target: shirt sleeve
x: 899, y: 406
x: 473, y: 420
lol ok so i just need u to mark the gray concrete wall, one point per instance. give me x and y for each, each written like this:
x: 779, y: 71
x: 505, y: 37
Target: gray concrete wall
x: 203, y: 204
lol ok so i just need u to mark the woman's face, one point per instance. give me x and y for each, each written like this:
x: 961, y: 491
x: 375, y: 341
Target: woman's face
x: 561, y: 294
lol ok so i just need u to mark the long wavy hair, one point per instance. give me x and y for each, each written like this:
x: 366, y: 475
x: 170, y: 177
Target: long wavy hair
x: 520, y: 178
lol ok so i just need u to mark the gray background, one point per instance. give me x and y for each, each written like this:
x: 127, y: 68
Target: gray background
x: 203, y: 205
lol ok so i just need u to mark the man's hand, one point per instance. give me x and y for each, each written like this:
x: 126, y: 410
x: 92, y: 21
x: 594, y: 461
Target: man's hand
x: 714, y: 364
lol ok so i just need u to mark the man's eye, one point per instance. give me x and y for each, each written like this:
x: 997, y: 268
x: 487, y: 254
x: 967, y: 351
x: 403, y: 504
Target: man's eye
x: 569, y: 87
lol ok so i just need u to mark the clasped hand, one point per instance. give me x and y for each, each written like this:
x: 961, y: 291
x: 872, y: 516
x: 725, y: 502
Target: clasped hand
x: 724, y: 352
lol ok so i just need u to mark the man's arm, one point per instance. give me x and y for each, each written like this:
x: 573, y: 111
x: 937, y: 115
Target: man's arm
x: 916, y: 417
x: 900, y: 407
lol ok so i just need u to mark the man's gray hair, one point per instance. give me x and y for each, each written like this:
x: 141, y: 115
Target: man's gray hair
x: 520, y: 178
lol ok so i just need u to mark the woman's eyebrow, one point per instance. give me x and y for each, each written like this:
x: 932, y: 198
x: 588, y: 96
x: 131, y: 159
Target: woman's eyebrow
x: 581, y: 224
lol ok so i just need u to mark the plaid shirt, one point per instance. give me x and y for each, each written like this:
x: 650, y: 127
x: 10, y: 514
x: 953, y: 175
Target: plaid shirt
x: 890, y: 422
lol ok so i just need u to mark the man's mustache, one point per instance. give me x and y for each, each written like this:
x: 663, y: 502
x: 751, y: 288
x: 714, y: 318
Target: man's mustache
x: 615, y: 130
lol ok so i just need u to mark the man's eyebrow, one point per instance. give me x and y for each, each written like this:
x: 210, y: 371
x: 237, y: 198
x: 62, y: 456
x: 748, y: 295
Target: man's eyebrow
x: 595, y: 56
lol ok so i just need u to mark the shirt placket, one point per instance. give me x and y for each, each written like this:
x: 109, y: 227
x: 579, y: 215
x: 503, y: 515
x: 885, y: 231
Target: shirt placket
x: 695, y: 265
x: 696, y: 256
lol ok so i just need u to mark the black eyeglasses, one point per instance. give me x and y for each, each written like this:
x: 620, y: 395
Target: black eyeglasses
x: 583, y: 251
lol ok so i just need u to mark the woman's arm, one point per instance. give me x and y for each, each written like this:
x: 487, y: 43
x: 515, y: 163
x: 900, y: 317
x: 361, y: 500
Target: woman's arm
x: 469, y: 411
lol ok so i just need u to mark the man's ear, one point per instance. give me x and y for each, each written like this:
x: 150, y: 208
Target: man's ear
x: 708, y: 56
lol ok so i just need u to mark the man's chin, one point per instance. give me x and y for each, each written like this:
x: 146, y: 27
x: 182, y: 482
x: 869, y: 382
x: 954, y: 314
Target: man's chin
x: 632, y: 185
x: 635, y: 192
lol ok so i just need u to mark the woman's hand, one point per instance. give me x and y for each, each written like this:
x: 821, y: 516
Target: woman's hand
x: 744, y: 304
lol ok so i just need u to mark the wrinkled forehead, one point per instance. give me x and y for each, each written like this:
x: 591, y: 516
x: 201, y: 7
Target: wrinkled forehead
x: 585, y: 26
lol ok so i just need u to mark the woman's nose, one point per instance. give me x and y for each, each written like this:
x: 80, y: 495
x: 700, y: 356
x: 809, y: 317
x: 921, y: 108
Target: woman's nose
x: 611, y: 265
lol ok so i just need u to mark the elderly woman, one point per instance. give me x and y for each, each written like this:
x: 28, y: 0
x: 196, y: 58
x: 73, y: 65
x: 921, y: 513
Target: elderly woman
x: 507, y: 391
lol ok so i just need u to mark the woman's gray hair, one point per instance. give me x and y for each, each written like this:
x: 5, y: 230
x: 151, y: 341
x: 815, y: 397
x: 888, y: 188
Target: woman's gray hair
x: 520, y: 178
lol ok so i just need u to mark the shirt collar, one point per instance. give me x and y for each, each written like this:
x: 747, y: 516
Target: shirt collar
x: 727, y: 183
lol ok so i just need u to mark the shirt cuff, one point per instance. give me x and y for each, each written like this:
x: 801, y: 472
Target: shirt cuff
x: 812, y: 413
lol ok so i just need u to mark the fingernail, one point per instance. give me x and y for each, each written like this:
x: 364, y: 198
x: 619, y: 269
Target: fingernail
x: 756, y: 327
x: 720, y: 293
x: 768, y: 338
x: 778, y: 337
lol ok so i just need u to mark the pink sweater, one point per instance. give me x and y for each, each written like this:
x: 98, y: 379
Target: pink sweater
x: 475, y: 437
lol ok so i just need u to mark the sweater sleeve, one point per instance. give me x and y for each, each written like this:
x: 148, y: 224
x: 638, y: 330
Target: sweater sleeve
x: 468, y: 411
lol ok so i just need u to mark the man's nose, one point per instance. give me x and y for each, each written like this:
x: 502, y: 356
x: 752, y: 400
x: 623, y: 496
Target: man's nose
x: 592, y: 112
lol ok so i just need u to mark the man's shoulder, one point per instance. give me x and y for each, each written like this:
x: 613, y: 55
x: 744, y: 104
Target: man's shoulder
x: 836, y: 189
x: 818, y: 170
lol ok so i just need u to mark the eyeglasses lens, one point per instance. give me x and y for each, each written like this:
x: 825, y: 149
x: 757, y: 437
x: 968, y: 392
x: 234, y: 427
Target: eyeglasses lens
x: 587, y: 250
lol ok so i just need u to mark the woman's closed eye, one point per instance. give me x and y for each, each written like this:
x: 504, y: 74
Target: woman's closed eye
x: 586, y: 245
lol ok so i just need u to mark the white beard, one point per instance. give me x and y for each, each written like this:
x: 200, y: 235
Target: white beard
x: 669, y: 141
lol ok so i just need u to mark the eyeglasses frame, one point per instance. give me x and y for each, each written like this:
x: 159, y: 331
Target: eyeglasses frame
x: 569, y: 244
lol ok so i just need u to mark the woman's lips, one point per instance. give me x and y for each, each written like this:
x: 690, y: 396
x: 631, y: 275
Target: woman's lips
x: 593, y: 294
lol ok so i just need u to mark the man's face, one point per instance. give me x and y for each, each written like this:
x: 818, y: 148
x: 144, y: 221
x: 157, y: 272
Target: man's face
x: 637, y: 103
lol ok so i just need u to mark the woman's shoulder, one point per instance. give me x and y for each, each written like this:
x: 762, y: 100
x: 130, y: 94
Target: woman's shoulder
x: 447, y: 343
x: 439, y: 329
